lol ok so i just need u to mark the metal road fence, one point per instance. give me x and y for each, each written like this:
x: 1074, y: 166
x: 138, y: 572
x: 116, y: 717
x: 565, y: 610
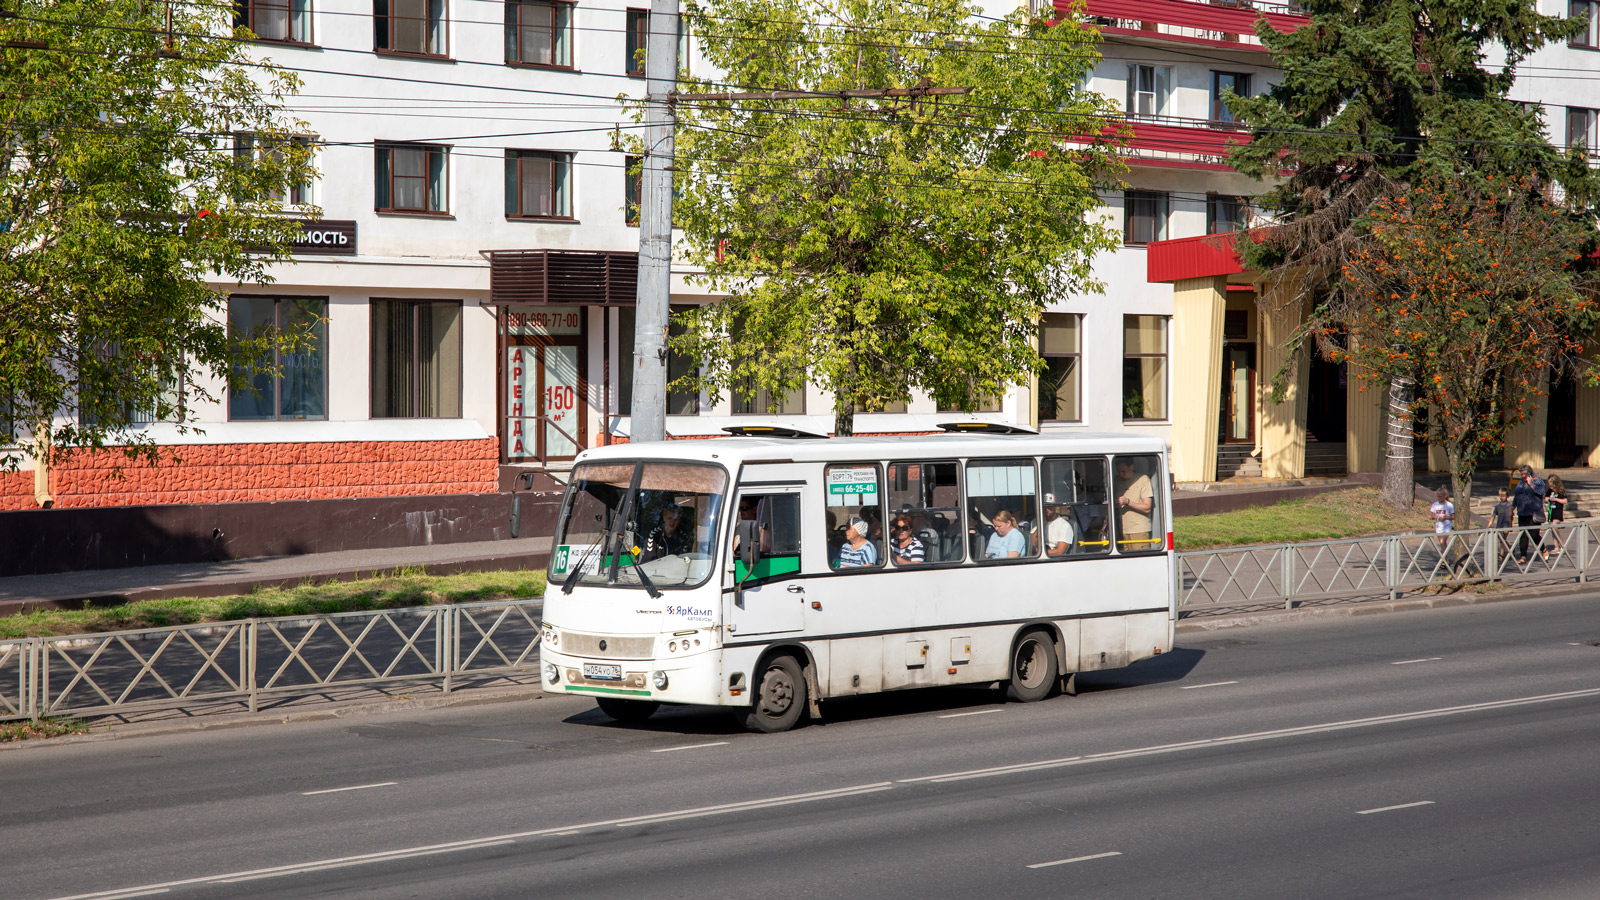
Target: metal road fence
x: 257, y: 659
x: 1384, y: 567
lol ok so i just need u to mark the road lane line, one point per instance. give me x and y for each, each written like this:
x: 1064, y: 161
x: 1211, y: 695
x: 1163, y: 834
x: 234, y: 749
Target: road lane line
x: 1194, y: 687
x: 1407, y: 662
x: 1062, y: 862
x: 976, y: 712
x: 690, y: 747
x: 489, y: 841
x: 1254, y: 737
x: 1368, y: 812
x: 359, y: 787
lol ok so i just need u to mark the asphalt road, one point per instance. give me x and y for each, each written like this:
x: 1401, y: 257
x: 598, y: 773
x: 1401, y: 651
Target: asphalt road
x: 1446, y: 753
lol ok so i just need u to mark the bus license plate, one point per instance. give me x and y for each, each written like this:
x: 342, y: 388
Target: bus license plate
x: 609, y: 673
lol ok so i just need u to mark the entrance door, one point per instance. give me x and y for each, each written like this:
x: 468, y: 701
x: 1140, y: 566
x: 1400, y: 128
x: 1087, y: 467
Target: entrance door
x: 543, y: 400
x: 1238, y: 394
x: 769, y: 598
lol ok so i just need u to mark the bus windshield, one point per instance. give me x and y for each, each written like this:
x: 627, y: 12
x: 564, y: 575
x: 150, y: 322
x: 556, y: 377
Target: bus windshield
x: 638, y: 523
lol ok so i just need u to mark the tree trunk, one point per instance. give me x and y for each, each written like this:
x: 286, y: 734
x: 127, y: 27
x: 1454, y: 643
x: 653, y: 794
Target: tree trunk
x: 844, y: 416
x: 1461, y: 470
x: 1399, y: 472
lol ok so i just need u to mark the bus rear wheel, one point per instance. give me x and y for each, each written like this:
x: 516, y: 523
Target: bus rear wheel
x: 627, y: 710
x: 780, y: 697
x: 1033, y: 667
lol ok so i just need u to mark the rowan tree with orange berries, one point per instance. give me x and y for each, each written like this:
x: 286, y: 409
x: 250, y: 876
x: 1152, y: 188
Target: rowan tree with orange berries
x: 1472, y: 293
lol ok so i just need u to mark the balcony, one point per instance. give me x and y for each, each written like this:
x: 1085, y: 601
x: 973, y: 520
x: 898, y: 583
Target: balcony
x: 1229, y: 24
x: 1174, y: 142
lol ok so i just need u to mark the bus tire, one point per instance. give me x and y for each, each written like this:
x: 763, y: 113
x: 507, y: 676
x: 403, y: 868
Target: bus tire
x: 780, y: 697
x: 627, y: 710
x: 1033, y: 667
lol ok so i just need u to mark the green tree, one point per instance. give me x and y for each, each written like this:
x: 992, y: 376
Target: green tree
x: 1469, y: 294
x: 123, y: 196
x: 883, y: 243
x: 1376, y: 96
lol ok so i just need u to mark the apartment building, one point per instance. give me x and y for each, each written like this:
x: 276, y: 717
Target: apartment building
x: 472, y: 281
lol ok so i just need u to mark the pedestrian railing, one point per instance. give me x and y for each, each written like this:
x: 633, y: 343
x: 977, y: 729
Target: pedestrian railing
x: 257, y: 659
x: 1384, y: 567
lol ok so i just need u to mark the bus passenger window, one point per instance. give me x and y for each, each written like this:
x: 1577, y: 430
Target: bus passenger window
x: 1137, y: 504
x: 855, y: 517
x: 928, y: 496
x: 1002, y: 498
x: 778, y: 522
x: 1077, y: 514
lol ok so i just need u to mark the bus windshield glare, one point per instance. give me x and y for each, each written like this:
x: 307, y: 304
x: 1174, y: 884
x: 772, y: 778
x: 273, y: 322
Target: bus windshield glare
x: 637, y: 524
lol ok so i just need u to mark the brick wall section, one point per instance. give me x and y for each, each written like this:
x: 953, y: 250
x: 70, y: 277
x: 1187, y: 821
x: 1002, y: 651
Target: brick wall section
x: 237, y: 473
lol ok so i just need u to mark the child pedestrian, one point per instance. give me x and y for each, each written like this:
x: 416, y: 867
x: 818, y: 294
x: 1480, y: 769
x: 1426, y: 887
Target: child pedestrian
x: 1444, y: 513
x: 1555, y: 510
x: 1504, y: 520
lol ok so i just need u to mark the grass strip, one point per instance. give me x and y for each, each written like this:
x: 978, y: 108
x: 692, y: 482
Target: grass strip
x: 400, y: 588
x: 40, y: 728
x: 1337, y: 514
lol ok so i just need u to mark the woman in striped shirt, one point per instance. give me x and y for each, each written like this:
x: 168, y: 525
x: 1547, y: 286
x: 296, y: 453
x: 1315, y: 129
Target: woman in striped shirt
x: 906, y: 549
x: 857, y: 550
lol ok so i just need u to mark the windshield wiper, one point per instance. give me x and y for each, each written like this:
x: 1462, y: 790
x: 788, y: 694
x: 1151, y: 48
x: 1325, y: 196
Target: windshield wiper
x: 644, y: 579
x: 572, y: 577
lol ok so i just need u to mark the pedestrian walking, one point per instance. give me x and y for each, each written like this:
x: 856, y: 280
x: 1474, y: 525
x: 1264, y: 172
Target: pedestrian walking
x: 1444, y: 522
x: 1528, y: 499
x: 1504, y: 516
x: 1555, y: 503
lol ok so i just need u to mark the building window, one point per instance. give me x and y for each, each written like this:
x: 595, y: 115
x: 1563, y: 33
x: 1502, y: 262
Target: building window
x: 762, y: 402
x: 1144, y: 367
x: 416, y: 359
x: 632, y: 188
x: 680, y: 402
x: 290, y: 385
x: 409, y: 26
x: 282, y: 21
x: 411, y: 178
x: 985, y: 404
x: 885, y: 406
x: 539, y: 33
x: 638, y: 38
x: 110, y: 365
x: 1589, y: 37
x: 1060, y: 384
x: 1148, y: 87
x: 250, y: 146
x: 538, y: 185
x: 1237, y: 82
x: 1583, y: 127
x: 1226, y: 213
x: 638, y: 34
x: 1144, y: 217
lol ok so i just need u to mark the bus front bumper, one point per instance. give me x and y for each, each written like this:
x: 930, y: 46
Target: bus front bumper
x: 693, y: 679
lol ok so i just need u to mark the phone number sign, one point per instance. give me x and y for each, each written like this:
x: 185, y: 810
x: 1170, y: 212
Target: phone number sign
x: 544, y: 320
x: 863, y: 480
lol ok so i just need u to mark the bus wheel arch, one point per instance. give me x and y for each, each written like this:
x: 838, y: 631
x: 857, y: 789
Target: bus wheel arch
x: 1034, y: 668
x: 781, y: 688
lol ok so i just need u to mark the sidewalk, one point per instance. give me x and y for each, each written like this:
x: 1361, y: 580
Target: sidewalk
x: 105, y: 586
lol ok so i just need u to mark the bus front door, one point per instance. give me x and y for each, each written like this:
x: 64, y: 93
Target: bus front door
x: 767, y: 591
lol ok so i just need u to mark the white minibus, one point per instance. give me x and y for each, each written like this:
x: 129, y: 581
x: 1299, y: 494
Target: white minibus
x: 771, y: 574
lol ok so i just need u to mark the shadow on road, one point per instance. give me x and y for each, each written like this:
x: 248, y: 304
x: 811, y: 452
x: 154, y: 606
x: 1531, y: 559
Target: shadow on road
x: 700, y: 720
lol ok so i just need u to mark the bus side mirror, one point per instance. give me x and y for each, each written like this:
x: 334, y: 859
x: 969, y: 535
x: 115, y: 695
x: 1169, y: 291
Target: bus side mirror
x: 749, y: 545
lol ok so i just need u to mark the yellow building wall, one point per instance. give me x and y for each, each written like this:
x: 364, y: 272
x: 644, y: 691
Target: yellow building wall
x: 1588, y: 421
x: 1282, y: 425
x: 1197, y: 308
x: 1525, y: 441
x: 1364, y: 405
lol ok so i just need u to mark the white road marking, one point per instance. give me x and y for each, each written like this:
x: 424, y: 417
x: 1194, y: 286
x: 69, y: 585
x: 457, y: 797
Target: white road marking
x: 1368, y: 812
x: 498, y: 740
x: 490, y: 841
x: 1254, y: 737
x: 1407, y: 662
x: 1062, y: 862
x: 1193, y: 687
x: 976, y: 712
x: 691, y: 747
x: 359, y: 787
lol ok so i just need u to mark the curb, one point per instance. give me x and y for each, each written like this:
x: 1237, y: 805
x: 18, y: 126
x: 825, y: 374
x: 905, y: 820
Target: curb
x: 1436, y: 601
x: 224, y: 722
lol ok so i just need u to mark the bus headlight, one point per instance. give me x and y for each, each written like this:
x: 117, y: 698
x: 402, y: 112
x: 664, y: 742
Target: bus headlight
x: 551, y: 673
x: 660, y: 679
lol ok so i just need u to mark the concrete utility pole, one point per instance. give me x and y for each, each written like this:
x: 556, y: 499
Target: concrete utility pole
x: 655, y: 227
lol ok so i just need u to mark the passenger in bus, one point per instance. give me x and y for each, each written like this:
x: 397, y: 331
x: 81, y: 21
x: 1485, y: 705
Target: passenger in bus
x: 1008, y: 541
x: 749, y: 508
x: 1057, y: 530
x: 671, y: 537
x: 857, y: 550
x: 1135, y: 500
x: 906, y: 549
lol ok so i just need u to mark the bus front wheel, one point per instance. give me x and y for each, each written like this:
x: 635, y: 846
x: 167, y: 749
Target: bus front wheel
x: 1033, y: 667
x: 780, y: 697
x: 627, y: 710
